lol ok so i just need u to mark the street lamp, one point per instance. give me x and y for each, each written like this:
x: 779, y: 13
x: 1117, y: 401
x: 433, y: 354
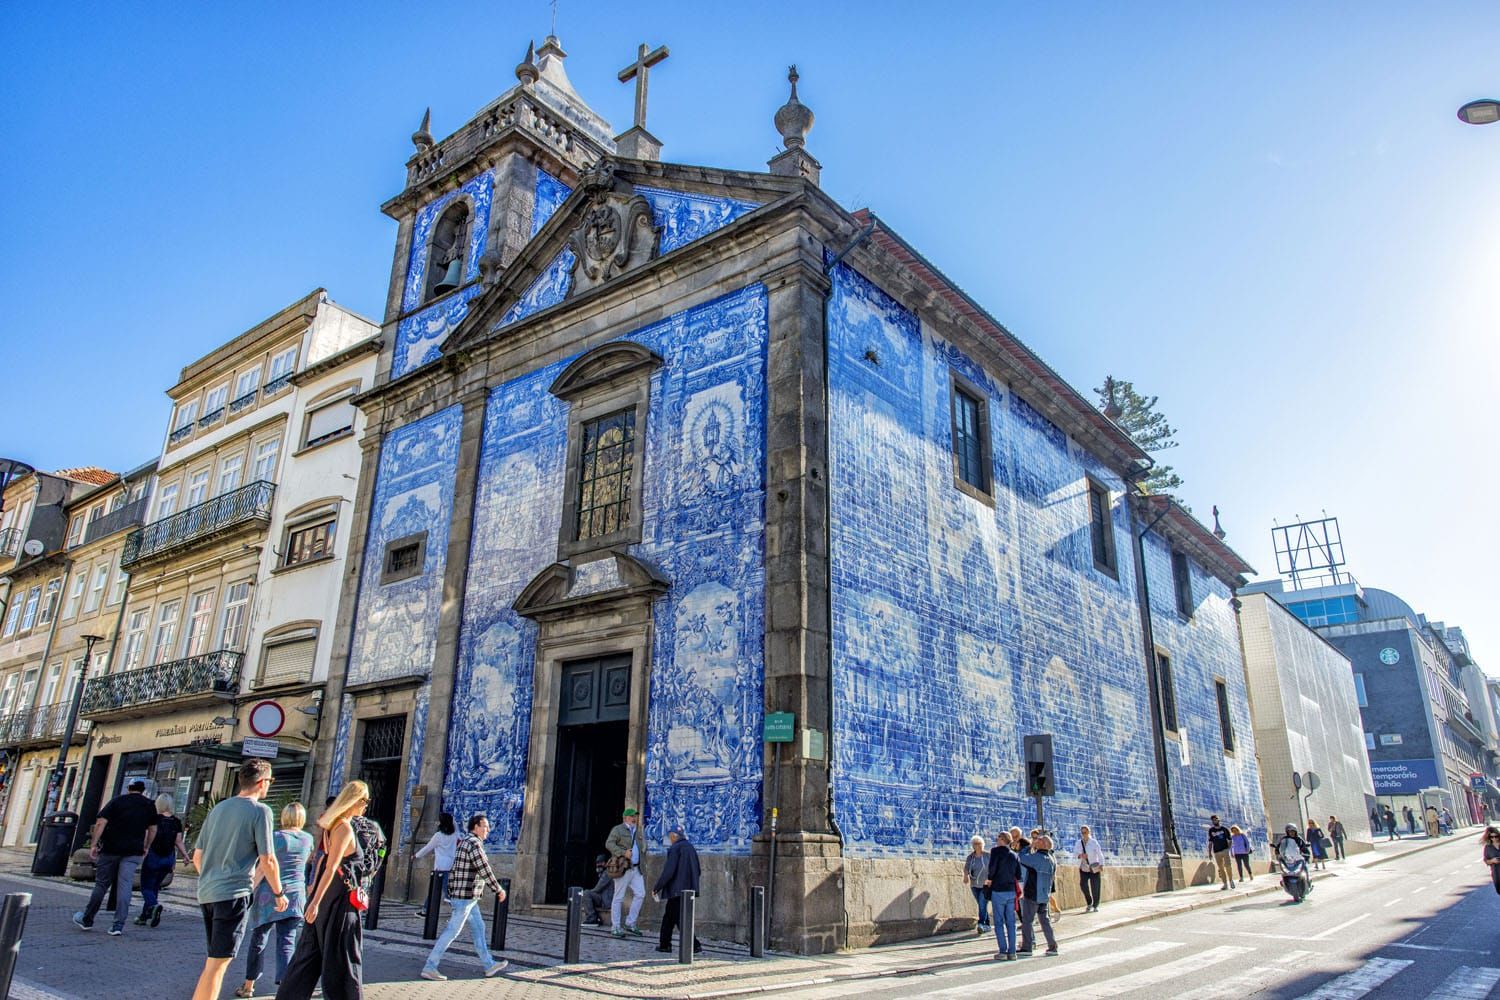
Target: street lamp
x: 1481, y: 112
x: 54, y: 789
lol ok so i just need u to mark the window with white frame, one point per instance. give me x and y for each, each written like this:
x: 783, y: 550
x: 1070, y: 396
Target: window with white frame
x: 122, y: 578
x: 236, y: 603
x: 312, y: 539
x: 230, y: 473
x: 33, y: 598
x: 75, y: 529
x: 200, y: 623
x: 49, y: 686
x: 49, y: 601
x: 186, y: 414
x: 1359, y: 691
x: 8, y: 693
x: 75, y: 595
x: 166, y: 631
x: 329, y: 421
x: 119, y: 500
x: 265, y: 460
x: 166, y: 502
x: 135, y: 639
x: 13, y: 620
x: 197, y: 488
x: 213, y: 405
x: 74, y: 672
x: 28, y: 688
x: 96, y: 592
x: 246, y: 384
x: 282, y: 365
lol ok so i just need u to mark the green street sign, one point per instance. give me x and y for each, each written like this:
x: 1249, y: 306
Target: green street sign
x: 780, y: 727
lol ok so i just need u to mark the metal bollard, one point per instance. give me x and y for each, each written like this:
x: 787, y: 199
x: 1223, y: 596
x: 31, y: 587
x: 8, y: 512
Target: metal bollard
x: 688, y: 901
x: 500, y: 918
x: 12, y: 923
x: 377, y: 888
x: 434, y: 906
x: 757, y: 921
x: 573, y: 930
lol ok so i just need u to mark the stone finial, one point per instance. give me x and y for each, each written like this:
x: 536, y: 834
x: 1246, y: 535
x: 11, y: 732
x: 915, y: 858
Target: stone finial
x: 795, y: 119
x: 422, y: 137
x: 526, y: 70
x: 1219, y: 531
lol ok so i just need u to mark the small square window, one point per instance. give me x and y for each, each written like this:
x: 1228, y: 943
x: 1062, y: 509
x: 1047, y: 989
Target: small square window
x: 1101, y: 529
x: 1182, y: 584
x: 404, y: 558
x: 315, y: 541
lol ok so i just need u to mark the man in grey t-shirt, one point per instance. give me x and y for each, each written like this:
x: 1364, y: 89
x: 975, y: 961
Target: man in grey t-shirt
x: 234, y: 839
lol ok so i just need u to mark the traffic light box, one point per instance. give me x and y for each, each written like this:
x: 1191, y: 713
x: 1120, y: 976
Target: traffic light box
x: 1037, y: 754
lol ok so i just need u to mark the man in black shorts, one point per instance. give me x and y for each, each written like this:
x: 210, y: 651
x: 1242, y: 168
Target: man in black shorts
x: 235, y: 837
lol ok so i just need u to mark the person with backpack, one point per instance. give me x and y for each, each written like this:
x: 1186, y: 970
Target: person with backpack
x: 331, y: 945
x: 467, y: 878
x: 626, y: 846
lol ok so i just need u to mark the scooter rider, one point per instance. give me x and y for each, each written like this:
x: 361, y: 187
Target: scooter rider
x: 1291, y: 847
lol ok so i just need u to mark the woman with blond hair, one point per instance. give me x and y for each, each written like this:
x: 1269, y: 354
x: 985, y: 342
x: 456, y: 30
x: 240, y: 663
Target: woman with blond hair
x: 293, y: 846
x: 166, y: 848
x: 330, y: 949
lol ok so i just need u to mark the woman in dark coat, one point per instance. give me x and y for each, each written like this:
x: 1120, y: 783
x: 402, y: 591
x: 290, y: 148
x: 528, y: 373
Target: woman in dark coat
x: 1004, y: 886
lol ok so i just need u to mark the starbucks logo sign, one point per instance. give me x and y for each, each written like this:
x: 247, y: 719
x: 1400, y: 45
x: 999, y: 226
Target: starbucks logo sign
x: 1389, y: 655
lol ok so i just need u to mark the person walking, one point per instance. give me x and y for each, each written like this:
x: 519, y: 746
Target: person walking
x: 166, y: 847
x: 1431, y: 816
x: 1218, y: 849
x: 1036, y: 858
x: 1445, y: 821
x: 1377, y: 824
x: 680, y: 873
x: 1491, y: 854
x: 626, y: 846
x: 976, y: 873
x: 1411, y: 820
x: 441, y: 846
x: 1004, y: 883
x: 293, y: 846
x: 1315, y: 843
x: 126, y: 827
x: 331, y: 947
x: 1337, y: 834
x: 1090, y: 868
x: 236, y: 837
x: 1390, y: 824
x: 467, y: 877
x: 603, y: 891
x: 1239, y: 846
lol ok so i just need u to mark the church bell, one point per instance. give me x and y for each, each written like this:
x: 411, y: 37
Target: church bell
x: 451, y: 277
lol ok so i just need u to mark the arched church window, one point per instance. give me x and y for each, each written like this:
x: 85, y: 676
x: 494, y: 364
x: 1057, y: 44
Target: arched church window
x: 445, y: 258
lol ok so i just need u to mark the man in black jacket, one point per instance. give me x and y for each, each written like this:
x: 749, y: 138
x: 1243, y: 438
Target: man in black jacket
x: 680, y: 872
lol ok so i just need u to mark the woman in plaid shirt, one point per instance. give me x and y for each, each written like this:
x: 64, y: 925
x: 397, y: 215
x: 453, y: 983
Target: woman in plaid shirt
x: 466, y: 881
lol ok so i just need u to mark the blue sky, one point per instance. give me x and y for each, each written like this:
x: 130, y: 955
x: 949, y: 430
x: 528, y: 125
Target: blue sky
x: 1271, y: 218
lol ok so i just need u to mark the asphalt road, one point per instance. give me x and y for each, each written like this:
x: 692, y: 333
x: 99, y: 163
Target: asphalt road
x: 1425, y: 925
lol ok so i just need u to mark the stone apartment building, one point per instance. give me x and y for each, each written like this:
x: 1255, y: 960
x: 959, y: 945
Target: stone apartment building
x: 62, y: 542
x: 233, y: 578
x: 655, y: 450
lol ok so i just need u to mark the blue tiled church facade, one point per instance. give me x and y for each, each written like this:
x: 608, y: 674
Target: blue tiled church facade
x: 960, y: 624
x: 703, y: 508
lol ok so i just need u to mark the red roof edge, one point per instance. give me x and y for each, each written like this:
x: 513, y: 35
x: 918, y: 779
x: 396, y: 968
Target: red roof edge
x: 1183, y: 521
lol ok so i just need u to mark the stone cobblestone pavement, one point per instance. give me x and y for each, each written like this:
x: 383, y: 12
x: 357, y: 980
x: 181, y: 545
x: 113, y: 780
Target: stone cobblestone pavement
x: 58, y: 960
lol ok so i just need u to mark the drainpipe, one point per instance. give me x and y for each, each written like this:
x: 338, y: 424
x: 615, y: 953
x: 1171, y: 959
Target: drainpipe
x: 1158, y: 737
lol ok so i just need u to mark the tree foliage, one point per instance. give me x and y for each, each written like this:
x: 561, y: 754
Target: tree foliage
x: 1147, y: 426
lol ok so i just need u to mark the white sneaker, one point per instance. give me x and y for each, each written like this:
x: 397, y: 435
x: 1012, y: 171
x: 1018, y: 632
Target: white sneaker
x: 496, y: 969
x: 434, y: 975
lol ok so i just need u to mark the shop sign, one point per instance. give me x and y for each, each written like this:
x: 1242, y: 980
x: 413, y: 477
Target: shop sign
x: 258, y: 747
x: 1403, y: 777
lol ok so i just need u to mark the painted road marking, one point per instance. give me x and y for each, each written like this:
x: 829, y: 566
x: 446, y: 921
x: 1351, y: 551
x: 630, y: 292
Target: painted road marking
x: 1055, y: 970
x: 1334, y: 930
x: 1438, y: 947
x: 1467, y: 983
x: 1154, y: 976
x: 897, y: 966
x: 1353, y: 985
x: 22, y: 990
x: 1392, y: 902
x: 1251, y: 981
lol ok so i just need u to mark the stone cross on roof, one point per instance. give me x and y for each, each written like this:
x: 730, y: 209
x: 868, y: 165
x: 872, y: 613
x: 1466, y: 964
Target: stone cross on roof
x: 640, y: 72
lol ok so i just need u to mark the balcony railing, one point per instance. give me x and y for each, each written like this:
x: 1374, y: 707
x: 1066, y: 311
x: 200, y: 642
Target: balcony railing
x: 247, y: 399
x: 42, y: 724
x: 276, y: 385
x: 209, y: 419
x: 10, y: 543
x: 207, y: 673
x: 127, y: 516
x: 199, y: 522
x: 181, y: 434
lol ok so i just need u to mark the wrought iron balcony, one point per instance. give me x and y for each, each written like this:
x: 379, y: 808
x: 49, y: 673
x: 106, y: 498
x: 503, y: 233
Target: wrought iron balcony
x: 199, y: 523
x: 194, y: 676
x: 209, y: 419
x: 181, y: 434
x: 10, y: 543
x: 276, y: 385
x: 248, y: 399
x: 41, y: 724
x: 127, y: 516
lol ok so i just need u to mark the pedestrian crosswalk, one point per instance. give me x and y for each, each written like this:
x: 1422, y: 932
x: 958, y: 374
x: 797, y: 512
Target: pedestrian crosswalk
x: 1467, y: 983
x: 1353, y: 985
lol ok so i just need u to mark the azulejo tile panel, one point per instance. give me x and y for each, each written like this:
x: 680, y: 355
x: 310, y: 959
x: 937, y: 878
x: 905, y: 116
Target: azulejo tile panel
x: 549, y: 288
x: 703, y: 511
x: 420, y: 336
x: 685, y: 217
x: 550, y: 193
x: 961, y: 625
x: 479, y: 192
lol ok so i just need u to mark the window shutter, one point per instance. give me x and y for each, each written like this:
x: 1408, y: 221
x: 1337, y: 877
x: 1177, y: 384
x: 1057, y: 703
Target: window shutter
x: 329, y: 420
x: 285, y: 662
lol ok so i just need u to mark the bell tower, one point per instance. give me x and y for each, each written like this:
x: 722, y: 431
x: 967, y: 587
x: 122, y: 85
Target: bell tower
x: 474, y: 198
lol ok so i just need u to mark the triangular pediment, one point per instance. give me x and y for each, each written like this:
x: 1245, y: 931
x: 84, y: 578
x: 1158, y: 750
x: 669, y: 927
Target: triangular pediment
x: 620, y: 216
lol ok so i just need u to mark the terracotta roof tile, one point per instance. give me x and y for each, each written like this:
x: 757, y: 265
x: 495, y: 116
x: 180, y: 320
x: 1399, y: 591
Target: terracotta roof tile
x: 90, y: 474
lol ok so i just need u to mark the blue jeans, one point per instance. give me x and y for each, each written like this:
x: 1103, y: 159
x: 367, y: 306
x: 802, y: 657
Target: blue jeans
x: 1003, y: 906
x: 286, y: 931
x: 979, y: 897
x: 153, y: 872
x: 465, y: 911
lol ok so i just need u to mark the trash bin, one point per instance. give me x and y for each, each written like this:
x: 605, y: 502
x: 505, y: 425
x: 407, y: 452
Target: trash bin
x: 55, y: 844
